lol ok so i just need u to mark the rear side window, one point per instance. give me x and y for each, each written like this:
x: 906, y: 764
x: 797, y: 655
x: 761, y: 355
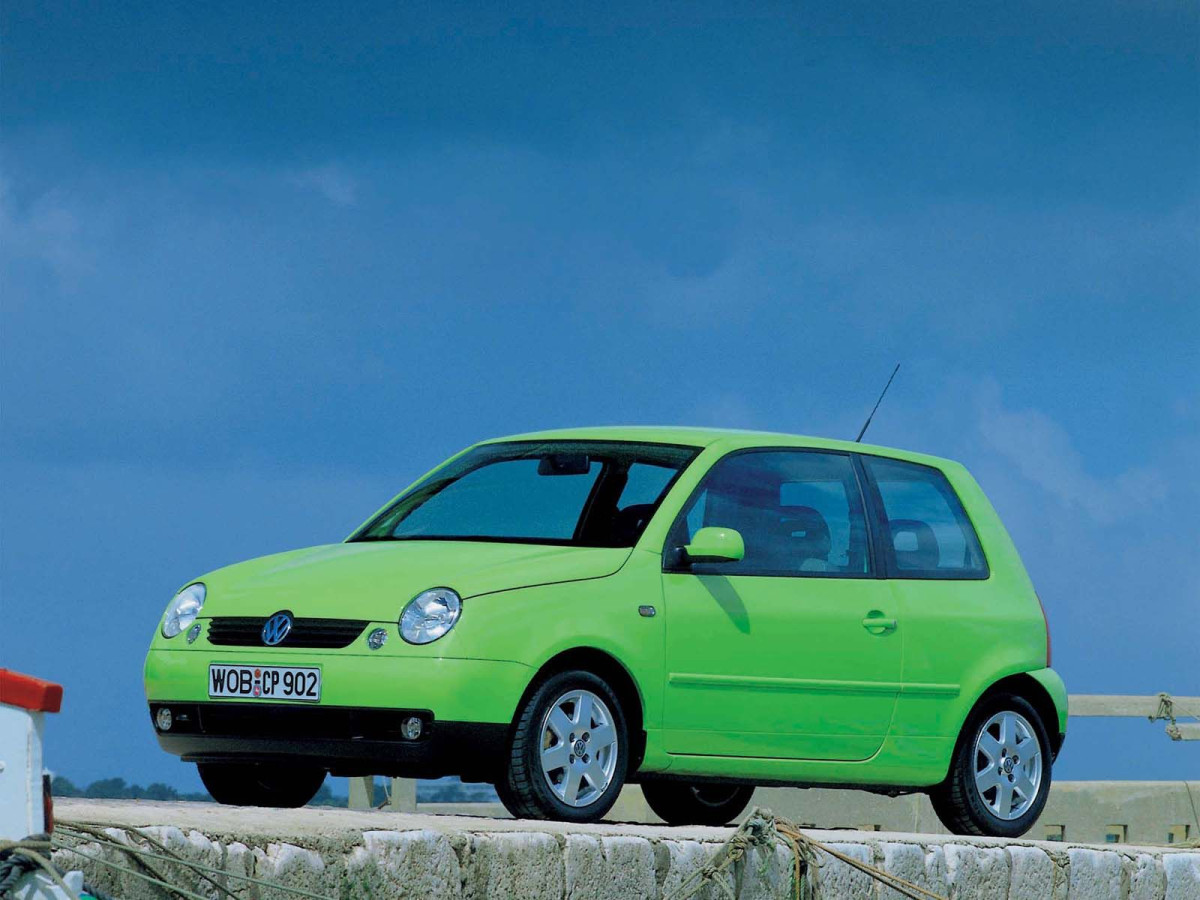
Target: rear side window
x: 927, y: 532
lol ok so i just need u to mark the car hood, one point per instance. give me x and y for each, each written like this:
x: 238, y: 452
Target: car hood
x: 374, y: 580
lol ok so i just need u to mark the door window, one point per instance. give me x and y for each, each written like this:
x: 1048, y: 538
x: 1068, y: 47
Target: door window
x: 799, y: 512
x: 931, y: 536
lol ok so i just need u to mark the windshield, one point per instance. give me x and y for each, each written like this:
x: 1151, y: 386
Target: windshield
x: 575, y: 493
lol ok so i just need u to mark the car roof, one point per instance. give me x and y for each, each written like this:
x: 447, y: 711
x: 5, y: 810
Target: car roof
x: 729, y: 438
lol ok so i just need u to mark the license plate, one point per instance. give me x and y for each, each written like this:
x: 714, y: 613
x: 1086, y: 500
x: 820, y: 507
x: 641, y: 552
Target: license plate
x: 269, y: 682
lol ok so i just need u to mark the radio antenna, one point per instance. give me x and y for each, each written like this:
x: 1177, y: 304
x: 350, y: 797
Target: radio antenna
x: 867, y: 424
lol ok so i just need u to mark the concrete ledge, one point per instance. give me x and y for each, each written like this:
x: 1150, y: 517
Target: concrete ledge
x: 352, y: 854
x: 1138, y: 812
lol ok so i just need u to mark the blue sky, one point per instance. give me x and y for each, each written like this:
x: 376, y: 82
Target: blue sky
x: 263, y: 264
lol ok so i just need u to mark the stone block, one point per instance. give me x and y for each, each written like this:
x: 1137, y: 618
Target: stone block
x: 677, y: 861
x: 584, y: 869
x: 401, y: 864
x: 976, y: 873
x: 1147, y: 881
x: 841, y: 880
x: 629, y: 867
x: 1096, y: 875
x: 916, y: 864
x: 1183, y: 875
x: 507, y: 864
x: 293, y: 866
x: 1031, y: 874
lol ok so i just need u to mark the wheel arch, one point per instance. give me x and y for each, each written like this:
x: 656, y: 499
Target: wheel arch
x: 1024, y: 685
x: 612, y: 670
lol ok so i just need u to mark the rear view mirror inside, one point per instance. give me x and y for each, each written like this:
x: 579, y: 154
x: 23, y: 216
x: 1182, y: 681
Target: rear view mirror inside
x: 564, y: 464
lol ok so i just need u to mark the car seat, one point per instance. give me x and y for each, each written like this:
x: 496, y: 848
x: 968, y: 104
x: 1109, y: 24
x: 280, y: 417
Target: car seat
x: 808, y: 538
x: 920, y: 551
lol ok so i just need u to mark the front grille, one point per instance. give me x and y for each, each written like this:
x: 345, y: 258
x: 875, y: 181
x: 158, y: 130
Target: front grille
x: 246, y: 631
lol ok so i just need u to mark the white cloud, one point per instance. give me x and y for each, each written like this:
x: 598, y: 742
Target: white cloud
x: 331, y: 181
x: 1042, y: 451
x: 48, y: 230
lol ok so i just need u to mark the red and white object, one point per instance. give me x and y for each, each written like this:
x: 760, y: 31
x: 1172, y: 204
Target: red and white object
x: 24, y: 701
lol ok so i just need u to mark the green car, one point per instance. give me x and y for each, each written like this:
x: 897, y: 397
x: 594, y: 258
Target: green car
x: 697, y: 611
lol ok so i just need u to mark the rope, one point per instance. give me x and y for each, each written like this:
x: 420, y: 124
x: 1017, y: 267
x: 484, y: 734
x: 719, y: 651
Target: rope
x: 1166, y: 710
x: 887, y: 879
x: 762, y: 829
x: 804, y: 861
x: 757, y: 831
x: 80, y: 832
x: 166, y: 885
x: 95, y: 834
x: 98, y: 836
x: 30, y: 849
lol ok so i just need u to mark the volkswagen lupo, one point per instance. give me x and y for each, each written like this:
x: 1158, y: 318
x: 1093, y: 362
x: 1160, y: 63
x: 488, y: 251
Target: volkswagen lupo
x: 696, y: 611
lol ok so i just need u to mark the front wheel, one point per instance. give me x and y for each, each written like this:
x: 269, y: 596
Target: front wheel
x: 261, y: 784
x: 679, y: 803
x: 569, y: 751
x: 1000, y: 773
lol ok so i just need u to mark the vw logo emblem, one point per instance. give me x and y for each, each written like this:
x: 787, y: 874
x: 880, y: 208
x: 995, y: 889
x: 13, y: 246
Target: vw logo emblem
x: 276, y: 628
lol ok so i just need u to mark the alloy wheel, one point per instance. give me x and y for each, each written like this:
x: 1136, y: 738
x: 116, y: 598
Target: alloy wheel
x: 1008, y: 765
x: 579, y: 748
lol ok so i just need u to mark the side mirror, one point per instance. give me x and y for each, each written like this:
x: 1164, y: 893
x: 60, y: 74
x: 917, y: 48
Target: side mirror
x: 715, y: 545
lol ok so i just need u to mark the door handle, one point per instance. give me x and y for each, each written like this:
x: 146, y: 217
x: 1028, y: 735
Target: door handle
x: 879, y: 624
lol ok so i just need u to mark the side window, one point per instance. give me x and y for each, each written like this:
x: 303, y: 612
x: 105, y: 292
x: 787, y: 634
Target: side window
x: 800, y: 513
x: 643, y: 488
x: 644, y: 484
x: 931, y: 536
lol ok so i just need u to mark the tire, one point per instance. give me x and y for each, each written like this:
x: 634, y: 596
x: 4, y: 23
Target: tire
x: 579, y: 713
x: 261, y: 784
x: 992, y: 773
x: 680, y: 803
x: 516, y: 808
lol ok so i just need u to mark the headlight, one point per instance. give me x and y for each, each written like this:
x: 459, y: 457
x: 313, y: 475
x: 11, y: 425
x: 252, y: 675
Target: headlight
x: 429, y: 615
x: 183, y: 610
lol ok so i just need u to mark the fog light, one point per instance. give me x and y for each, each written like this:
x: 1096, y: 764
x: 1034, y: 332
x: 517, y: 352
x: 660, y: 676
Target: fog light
x: 193, y: 633
x: 377, y: 638
x: 411, y: 728
x: 163, y: 719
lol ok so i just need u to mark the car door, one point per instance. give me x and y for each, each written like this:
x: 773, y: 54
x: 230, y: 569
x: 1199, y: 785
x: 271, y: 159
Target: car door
x: 793, y: 651
x: 956, y: 617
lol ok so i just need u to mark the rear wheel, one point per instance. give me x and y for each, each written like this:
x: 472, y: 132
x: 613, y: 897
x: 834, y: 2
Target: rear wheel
x: 680, y: 803
x: 569, y: 751
x: 1000, y: 773
x: 261, y: 784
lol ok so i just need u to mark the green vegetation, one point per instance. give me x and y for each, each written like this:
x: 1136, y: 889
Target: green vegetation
x: 119, y: 789
x: 441, y: 790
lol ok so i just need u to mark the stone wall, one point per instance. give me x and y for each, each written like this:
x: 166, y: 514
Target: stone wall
x: 447, y: 858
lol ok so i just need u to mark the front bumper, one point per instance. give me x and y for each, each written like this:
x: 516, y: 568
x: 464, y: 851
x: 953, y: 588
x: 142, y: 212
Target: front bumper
x: 465, y: 706
x: 344, y: 740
